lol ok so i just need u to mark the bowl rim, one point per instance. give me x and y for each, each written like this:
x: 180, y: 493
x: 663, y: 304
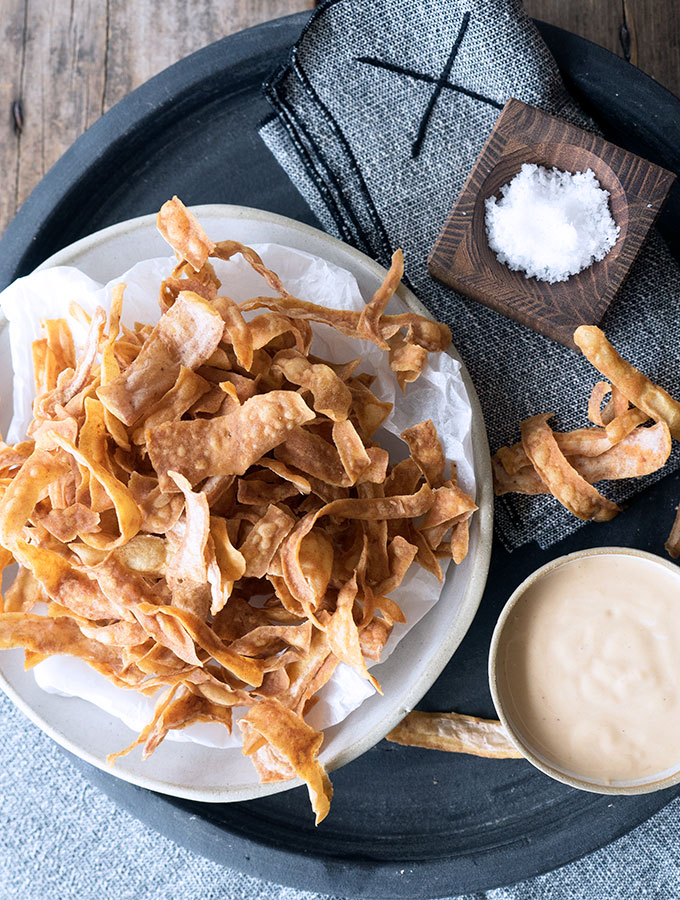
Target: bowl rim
x: 472, y: 594
x: 513, y: 734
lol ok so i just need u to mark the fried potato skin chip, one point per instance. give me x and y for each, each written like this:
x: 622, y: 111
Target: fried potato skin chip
x: 426, y: 451
x: 40, y: 469
x: 636, y: 387
x: 186, y: 335
x: 201, y: 510
x: 643, y: 451
x: 181, y: 230
x: 454, y: 733
x: 564, y: 482
x: 298, y: 743
x: 227, y: 445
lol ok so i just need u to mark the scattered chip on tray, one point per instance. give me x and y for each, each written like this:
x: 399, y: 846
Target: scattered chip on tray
x: 454, y: 733
x: 200, y: 507
x: 620, y: 443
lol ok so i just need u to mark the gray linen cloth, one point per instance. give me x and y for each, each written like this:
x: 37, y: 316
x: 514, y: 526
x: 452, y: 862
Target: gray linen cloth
x: 63, y: 839
x: 379, y: 117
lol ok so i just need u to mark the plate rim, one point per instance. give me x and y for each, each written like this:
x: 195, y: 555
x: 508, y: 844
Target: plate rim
x: 472, y: 593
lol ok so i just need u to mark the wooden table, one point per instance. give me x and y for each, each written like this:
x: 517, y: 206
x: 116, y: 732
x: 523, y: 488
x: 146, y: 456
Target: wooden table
x: 65, y: 63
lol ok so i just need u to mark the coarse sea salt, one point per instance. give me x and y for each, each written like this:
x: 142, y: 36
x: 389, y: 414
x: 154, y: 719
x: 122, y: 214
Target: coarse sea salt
x: 550, y: 224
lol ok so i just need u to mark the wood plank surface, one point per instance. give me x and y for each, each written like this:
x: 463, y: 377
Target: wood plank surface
x: 65, y: 63
x: 597, y: 20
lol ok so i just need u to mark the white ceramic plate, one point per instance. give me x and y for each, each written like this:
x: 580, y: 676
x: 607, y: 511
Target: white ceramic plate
x: 222, y: 775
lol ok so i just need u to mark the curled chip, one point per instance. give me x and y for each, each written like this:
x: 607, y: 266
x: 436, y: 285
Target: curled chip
x: 563, y: 481
x: 204, y: 514
x: 635, y: 387
x: 641, y: 452
x: 567, y: 464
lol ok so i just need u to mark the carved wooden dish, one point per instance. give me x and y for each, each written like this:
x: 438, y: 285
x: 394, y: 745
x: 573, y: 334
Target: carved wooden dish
x: 462, y: 258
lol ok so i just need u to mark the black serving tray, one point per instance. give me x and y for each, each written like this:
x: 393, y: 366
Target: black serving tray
x: 404, y: 822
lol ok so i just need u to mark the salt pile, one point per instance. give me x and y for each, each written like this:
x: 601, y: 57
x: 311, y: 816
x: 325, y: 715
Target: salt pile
x: 550, y: 224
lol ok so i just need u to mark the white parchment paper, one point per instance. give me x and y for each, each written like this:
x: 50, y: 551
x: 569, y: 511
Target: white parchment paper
x: 438, y: 394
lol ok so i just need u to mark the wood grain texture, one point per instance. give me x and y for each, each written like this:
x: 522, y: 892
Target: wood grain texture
x: 656, y: 26
x: 462, y: 258
x: 12, y: 25
x: 62, y: 81
x: 68, y: 61
x: 145, y: 38
x: 653, y: 28
x: 597, y: 20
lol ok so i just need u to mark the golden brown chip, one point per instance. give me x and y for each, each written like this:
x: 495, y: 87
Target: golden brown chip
x: 351, y: 449
x: 181, y: 230
x: 25, y: 591
x: 426, y: 451
x: 227, y: 445
x: 623, y: 424
x: 616, y: 406
x: 433, y: 336
x: 454, y: 733
x: 405, y: 507
x: 188, y: 388
x: 48, y: 636
x: 580, y: 442
x: 369, y: 320
x: 298, y: 743
x: 186, y: 335
x: 267, y: 327
x: 65, y: 524
x: 188, y: 562
x: 370, y: 412
x: 343, y: 634
x: 40, y: 469
x: 159, y: 511
x: 71, y: 383
x: 203, y: 512
x: 331, y: 395
x: 460, y: 541
x: 12, y: 457
x: 400, y: 554
x: 643, y: 451
x: 264, y: 540
x: 406, y: 359
x: 237, y: 330
x: 564, y: 482
x: 450, y: 504
x: 128, y: 515
x: 313, y: 455
x: 282, y: 470
x: 636, y: 387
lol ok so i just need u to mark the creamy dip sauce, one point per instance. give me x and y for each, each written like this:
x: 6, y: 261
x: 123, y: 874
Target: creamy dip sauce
x: 589, y: 669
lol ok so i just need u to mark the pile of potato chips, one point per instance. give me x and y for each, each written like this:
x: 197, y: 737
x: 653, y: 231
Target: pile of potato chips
x: 620, y: 445
x: 203, y: 508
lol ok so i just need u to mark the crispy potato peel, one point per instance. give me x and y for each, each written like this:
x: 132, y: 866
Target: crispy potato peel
x: 620, y: 445
x: 203, y: 510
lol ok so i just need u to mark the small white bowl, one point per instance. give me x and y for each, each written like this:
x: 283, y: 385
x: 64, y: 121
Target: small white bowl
x: 496, y: 683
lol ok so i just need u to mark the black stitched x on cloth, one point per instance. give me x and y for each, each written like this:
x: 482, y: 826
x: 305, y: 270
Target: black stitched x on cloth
x: 380, y: 114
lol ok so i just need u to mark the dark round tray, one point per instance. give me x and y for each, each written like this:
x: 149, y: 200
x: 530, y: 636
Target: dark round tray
x: 405, y: 822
